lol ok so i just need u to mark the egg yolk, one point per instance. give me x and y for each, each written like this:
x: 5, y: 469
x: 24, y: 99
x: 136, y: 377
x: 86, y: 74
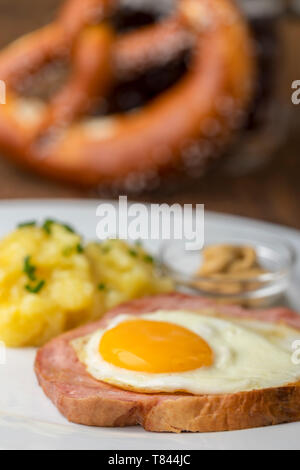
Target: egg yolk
x: 155, y: 347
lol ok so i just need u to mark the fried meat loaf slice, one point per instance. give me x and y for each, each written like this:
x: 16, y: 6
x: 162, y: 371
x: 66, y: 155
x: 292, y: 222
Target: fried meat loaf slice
x: 84, y: 400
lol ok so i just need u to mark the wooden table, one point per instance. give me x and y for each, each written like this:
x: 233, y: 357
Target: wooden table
x: 272, y: 193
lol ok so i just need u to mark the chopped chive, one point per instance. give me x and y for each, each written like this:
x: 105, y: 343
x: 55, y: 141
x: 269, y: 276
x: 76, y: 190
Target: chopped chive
x: 35, y: 289
x: 27, y: 224
x: 149, y: 259
x: 133, y: 253
x: 67, y: 227
x: 49, y: 222
x: 79, y: 248
x: 29, y: 269
x: 70, y: 249
x: 67, y: 251
x: 101, y: 286
x: 47, y: 226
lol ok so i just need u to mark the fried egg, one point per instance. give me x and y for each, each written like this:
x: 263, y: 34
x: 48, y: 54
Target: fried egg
x: 183, y: 351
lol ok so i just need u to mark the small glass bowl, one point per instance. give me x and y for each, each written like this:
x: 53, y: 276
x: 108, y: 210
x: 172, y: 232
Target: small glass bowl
x: 276, y: 257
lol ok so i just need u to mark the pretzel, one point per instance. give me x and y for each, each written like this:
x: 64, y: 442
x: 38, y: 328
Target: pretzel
x: 190, y: 123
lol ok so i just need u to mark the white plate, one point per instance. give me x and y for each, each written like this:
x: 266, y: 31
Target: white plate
x: 28, y: 420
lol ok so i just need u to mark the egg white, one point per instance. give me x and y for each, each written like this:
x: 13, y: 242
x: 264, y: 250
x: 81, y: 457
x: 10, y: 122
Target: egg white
x: 248, y: 355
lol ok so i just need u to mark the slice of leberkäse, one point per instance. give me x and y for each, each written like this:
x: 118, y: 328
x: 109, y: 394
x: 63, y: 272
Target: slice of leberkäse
x: 85, y: 400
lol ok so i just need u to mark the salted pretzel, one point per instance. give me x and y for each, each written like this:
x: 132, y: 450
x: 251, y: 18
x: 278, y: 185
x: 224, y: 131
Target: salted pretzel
x: 189, y: 123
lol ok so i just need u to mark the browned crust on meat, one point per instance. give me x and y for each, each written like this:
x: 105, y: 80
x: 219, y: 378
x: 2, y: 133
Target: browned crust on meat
x: 84, y: 400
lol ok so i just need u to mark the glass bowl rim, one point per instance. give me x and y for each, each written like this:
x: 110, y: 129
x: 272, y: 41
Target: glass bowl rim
x: 263, y: 279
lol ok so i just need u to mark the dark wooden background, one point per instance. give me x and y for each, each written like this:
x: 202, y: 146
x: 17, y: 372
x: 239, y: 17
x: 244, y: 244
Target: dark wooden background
x: 272, y: 193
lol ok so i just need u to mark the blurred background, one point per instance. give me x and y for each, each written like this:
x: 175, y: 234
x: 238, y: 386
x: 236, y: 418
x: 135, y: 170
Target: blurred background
x: 260, y: 178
